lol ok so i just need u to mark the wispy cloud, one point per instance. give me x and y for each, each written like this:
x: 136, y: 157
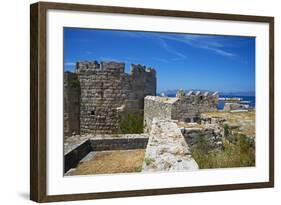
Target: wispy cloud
x: 202, y: 42
x: 205, y: 42
x: 220, y: 51
x: 164, y: 44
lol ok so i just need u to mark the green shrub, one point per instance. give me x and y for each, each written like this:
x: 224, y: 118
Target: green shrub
x: 75, y: 83
x: 131, y: 124
x: 226, y: 130
x: 239, y: 154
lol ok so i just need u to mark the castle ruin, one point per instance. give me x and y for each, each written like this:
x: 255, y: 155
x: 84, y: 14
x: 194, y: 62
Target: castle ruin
x: 98, y: 94
x: 185, y: 107
x: 102, y: 92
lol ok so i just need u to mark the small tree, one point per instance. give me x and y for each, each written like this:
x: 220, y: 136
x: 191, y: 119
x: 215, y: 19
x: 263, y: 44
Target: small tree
x: 226, y: 130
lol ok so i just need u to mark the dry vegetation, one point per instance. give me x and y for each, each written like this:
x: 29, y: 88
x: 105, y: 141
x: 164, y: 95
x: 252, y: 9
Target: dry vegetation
x: 238, y: 147
x: 108, y: 162
x: 243, y: 121
x: 239, y: 154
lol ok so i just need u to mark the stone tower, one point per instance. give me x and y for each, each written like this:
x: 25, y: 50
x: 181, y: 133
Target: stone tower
x: 106, y: 92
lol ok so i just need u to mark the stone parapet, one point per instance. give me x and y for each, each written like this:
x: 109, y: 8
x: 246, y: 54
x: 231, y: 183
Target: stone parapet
x: 77, y: 147
x: 166, y: 149
x: 184, y: 107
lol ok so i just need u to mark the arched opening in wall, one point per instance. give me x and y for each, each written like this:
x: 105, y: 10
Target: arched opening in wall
x: 92, y: 112
x: 201, y: 97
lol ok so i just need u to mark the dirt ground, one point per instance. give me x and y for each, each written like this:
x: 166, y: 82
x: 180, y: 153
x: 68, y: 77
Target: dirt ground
x: 108, y: 162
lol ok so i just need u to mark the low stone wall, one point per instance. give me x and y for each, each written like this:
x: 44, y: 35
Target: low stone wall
x: 235, y: 106
x: 207, y: 120
x: 118, y: 144
x: 167, y: 149
x: 73, y: 157
x: 211, y: 137
x: 77, y: 147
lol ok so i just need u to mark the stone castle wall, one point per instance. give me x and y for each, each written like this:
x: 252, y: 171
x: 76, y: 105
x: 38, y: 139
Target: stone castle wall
x: 71, y: 101
x: 190, y: 105
x: 186, y: 107
x: 107, y: 92
x: 157, y: 107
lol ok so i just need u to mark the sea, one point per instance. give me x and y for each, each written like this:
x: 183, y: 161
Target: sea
x: 249, y: 100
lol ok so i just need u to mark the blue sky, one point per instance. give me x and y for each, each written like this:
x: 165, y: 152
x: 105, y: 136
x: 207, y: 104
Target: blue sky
x: 186, y: 61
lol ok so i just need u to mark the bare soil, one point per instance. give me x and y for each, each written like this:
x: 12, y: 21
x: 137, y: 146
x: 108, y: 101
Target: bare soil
x: 108, y: 162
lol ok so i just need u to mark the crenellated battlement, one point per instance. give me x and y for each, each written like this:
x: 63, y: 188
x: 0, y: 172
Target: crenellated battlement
x: 137, y: 69
x: 112, y: 66
x: 186, y: 107
x: 95, y: 66
x: 197, y: 96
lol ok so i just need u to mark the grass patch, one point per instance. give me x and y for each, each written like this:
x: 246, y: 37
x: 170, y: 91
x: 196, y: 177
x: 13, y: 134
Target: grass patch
x: 131, y: 124
x: 241, y: 153
x: 109, y: 162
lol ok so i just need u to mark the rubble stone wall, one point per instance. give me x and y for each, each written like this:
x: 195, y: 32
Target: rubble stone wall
x: 183, y: 107
x: 212, y: 137
x: 190, y: 105
x: 167, y: 149
x: 71, y: 102
x: 157, y: 107
x: 235, y: 106
x: 107, y: 92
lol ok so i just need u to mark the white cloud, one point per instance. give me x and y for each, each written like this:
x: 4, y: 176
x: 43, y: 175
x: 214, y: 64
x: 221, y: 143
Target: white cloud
x: 201, y: 41
x: 205, y: 42
x: 180, y: 56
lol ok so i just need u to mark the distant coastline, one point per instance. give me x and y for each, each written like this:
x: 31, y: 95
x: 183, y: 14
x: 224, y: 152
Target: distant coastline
x: 230, y: 94
x: 246, y: 97
x: 249, y: 100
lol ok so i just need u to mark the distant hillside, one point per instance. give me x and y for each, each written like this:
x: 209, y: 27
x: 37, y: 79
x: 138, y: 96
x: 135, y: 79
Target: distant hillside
x: 238, y: 93
x: 249, y: 93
